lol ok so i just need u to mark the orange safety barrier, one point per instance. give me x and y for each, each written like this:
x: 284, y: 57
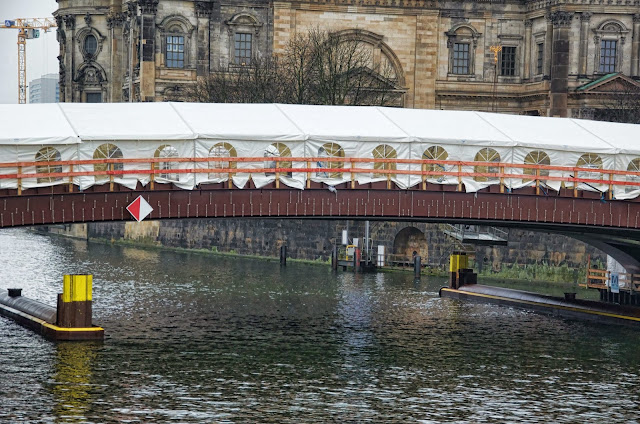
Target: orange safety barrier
x: 456, y: 171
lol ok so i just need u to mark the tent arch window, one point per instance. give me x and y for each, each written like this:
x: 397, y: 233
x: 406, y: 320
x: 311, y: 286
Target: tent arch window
x: 486, y: 155
x: 163, y: 152
x: 222, y: 150
x: 384, y: 151
x: 107, y: 151
x: 435, y: 153
x: 278, y: 150
x: 590, y: 161
x: 634, y: 166
x: 45, y: 156
x: 536, y: 157
x: 330, y: 150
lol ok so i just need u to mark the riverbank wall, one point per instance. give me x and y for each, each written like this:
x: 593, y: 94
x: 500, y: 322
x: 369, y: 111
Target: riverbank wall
x: 314, y: 239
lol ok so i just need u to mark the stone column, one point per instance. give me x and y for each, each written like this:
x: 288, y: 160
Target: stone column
x: 148, y: 8
x: 635, y: 47
x: 585, y: 17
x: 69, y: 59
x: 560, y: 63
x: 527, y: 49
x: 548, y: 48
x: 115, y: 20
x: 203, y: 13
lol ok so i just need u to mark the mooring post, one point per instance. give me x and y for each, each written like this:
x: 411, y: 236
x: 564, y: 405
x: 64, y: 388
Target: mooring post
x: 356, y: 260
x: 283, y: 255
x: 417, y: 266
x: 334, y: 258
x: 75, y: 302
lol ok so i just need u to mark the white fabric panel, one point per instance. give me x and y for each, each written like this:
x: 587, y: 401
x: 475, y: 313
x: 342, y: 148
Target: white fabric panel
x: 17, y: 124
x: 9, y: 154
x: 447, y: 127
x: 341, y: 123
x: 544, y: 133
x: 26, y: 154
x: 624, y: 137
x: 126, y: 121
x: 229, y: 121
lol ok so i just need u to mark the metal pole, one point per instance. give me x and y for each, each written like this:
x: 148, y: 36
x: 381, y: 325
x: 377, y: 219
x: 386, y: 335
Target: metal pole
x: 366, y: 242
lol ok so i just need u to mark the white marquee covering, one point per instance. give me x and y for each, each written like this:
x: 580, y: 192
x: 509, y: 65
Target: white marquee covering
x: 146, y: 130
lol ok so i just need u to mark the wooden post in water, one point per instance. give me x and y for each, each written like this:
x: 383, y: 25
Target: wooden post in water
x: 417, y: 266
x: 283, y: 255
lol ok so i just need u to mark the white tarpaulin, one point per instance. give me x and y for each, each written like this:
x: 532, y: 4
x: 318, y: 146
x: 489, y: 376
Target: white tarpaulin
x: 331, y: 134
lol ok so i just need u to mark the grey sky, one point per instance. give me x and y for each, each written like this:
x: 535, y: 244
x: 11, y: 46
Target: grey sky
x: 42, y: 53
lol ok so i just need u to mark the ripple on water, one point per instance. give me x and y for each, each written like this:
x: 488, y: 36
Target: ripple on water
x: 198, y: 338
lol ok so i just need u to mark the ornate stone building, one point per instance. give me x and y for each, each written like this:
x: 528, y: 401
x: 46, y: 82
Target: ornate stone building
x: 555, y: 58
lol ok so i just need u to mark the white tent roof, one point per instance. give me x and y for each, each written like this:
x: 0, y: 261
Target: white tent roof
x: 548, y: 133
x: 232, y: 121
x: 447, y: 126
x: 35, y: 124
x: 126, y: 121
x: 625, y: 137
x: 69, y: 123
x: 343, y: 123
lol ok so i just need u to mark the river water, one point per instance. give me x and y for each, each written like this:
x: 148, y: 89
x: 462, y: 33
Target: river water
x: 195, y: 338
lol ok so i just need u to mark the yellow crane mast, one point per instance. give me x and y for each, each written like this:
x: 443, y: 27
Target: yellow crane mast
x: 27, y: 29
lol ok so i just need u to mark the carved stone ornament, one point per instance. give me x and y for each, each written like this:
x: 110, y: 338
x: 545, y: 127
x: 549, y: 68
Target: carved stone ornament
x: 87, y: 19
x: 585, y: 16
x: 148, y: 6
x: 115, y: 20
x: 204, y: 9
x: 636, y: 18
x: 70, y: 22
x: 561, y: 18
x: 528, y: 23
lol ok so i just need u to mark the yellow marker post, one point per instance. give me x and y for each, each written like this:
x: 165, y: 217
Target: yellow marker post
x: 75, y: 303
x: 77, y: 288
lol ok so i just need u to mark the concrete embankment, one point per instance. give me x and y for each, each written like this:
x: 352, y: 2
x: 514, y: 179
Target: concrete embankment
x: 565, y: 307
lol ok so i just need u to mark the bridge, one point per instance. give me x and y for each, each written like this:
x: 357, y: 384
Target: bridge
x: 74, y: 163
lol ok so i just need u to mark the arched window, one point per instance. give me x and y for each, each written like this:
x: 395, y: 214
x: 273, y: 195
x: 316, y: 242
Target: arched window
x: 634, y: 166
x: 332, y: 150
x: 90, y: 45
x: 167, y: 151
x: 222, y: 150
x: 46, y: 155
x: 274, y: 151
x: 609, y: 39
x: 435, y: 153
x: 176, y: 32
x: 536, y: 157
x: 384, y: 151
x: 462, y: 40
x: 590, y: 161
x: 486, y: 155
x: 107, y: 151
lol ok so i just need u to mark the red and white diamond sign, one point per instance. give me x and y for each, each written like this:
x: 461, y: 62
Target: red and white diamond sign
x: 139, y: 208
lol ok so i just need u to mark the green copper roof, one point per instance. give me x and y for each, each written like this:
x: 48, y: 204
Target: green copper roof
x: 599, y: 80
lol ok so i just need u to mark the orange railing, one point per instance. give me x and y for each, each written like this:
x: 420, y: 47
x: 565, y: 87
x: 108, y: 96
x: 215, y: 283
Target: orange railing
x: 308, y: 166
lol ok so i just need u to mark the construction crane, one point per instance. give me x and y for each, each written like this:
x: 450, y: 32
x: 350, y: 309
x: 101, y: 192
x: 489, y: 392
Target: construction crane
x: 27, y: 29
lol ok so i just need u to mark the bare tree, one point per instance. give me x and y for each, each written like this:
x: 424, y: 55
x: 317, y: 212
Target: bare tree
x: 621, y: 105
x: 316, y: 68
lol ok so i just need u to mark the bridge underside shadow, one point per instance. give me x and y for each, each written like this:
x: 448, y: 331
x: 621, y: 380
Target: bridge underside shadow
x: 612, y: 226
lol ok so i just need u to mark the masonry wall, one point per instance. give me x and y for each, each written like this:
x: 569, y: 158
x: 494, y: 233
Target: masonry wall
x: 313, y: 239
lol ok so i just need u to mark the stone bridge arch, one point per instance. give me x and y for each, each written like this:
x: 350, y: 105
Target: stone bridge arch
x: 408, y: 240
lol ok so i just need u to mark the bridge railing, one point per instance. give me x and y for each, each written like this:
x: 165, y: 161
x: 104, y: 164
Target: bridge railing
x: 601, y: 279
x: 304, y: 170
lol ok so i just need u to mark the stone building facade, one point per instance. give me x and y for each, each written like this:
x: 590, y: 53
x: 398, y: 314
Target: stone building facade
x: 443, y: 53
